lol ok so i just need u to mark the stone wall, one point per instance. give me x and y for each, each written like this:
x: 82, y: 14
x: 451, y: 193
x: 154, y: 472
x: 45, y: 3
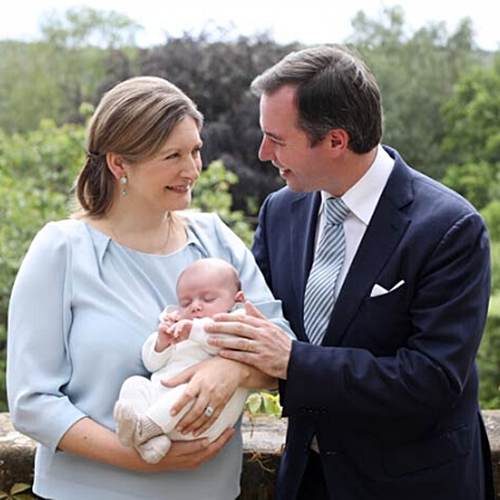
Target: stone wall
x: 263, y: 440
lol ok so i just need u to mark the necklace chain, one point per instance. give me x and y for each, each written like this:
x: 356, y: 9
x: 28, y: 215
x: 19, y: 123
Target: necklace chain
x: 161, y: 247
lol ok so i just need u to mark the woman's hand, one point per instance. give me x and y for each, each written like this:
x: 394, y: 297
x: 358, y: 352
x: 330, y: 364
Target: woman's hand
x: 211, y: 384
x: 185, y: 455
x: 91, y: 440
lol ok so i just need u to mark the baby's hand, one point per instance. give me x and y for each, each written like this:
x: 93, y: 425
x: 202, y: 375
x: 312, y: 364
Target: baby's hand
x: 165, y: 337
x: 170, y: 318
x: 181, y: 329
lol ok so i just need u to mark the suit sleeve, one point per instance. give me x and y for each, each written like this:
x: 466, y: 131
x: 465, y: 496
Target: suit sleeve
x: 259, y: 248
x: 430, y: 370
x: 260, y: 251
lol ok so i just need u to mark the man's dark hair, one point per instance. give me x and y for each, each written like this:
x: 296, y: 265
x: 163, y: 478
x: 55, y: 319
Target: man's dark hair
x: 334, y: 90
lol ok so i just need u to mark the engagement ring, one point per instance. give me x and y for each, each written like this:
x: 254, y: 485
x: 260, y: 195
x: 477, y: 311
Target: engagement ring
x: 209, y: 411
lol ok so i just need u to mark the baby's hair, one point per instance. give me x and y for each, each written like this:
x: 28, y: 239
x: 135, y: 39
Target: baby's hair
x: 224, y: 267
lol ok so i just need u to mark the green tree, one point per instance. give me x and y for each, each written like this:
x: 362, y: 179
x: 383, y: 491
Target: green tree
x: 491, y: 215
x: 51, y: 78
x: 416, y: 73
x: 473, y: 143
x: 478, y: 182
x: 81, y: 27
x: 28, y: 89
x: 489, y: 358
x: 472, y: 117
x: 212, y: 194
x: 472, y: 140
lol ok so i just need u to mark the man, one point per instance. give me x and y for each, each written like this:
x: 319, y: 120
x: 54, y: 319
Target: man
x: 388, y: 301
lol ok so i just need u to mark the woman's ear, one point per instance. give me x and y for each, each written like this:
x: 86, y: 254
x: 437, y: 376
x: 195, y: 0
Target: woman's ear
x: 116, y: 165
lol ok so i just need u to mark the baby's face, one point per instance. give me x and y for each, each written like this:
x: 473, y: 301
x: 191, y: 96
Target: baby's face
x: 201, y: 296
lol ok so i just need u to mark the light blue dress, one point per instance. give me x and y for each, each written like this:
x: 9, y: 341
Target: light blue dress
x: 80, y: 310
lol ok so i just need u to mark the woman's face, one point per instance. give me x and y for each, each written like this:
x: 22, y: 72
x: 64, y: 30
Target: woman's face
x: 165, y: 181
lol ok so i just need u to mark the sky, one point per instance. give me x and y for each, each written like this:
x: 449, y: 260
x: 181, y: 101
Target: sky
x: 307, y: 21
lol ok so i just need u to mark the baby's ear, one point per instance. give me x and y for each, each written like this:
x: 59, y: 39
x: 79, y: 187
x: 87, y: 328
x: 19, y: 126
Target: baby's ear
x: 240, y: 297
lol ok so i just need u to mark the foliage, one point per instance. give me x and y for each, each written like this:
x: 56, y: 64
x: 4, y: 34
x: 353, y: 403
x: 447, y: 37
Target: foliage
x: 476, y: 181
x: 264, y: 403
x: 19, y: 491
x: 50, y: 78
x: 473, y: 132
x: 28, y: 91
x: 50, y: 155
x: 416, y: 74
x: 491, y: 215
x: 212, y: 195
x: 472, y: 141
x: 489, y: 358
x: 24, y: 208
x: 85, y: 26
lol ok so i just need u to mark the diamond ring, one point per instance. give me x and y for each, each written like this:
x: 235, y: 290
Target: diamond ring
x: 209, y: 411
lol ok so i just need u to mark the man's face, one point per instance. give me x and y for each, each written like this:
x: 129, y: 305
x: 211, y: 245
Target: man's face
x: 303, y: 167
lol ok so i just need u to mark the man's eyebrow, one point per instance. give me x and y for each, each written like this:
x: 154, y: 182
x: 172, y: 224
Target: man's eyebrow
x: 273, y: 136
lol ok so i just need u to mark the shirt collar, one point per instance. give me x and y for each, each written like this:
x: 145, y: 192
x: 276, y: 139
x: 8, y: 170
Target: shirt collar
x: 363, y: 197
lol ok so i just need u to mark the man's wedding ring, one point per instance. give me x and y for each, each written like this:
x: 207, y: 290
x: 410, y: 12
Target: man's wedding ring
x: 209, y: 411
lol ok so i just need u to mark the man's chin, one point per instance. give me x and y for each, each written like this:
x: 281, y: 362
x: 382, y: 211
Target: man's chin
x: 297, y: 188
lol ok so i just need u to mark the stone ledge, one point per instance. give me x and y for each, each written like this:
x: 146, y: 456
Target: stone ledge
x: 492, y: 423
x: 263, y: 439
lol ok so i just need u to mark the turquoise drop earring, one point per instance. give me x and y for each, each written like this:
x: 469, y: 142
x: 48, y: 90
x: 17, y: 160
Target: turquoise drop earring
x: 123, y: 182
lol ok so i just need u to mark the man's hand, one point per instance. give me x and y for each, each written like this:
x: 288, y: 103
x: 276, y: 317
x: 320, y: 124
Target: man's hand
x: 253, y: 340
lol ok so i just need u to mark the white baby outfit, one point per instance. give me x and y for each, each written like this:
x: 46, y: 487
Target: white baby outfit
x: 152, y: 399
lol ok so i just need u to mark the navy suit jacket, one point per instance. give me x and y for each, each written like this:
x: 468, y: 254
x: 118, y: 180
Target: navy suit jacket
x: 392, y: 393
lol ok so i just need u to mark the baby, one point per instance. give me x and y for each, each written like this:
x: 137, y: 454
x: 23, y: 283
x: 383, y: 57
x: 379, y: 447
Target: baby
x: 142, y: 412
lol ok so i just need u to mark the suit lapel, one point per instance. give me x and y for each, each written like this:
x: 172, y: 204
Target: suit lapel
x: 303, y: 231
x: 382, y: 236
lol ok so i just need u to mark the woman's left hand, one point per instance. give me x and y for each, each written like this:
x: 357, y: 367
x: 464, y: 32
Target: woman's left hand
x: 210, y: 386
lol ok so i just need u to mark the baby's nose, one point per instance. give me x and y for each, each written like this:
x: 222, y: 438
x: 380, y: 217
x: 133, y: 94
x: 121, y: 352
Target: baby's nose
x: 196, y: 305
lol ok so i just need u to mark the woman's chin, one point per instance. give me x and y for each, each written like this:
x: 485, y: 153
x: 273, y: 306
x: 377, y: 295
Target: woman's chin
x: 179, y: 204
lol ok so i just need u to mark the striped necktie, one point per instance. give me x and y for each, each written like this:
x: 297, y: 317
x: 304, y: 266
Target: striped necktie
x: 328, y: 261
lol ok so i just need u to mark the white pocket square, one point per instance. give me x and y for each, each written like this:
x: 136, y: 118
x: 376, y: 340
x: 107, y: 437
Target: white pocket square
x: 378, y: 290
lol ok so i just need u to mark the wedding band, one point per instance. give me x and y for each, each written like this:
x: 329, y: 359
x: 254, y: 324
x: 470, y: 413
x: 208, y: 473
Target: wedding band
x: 248, y: 345
x: 209, y: 411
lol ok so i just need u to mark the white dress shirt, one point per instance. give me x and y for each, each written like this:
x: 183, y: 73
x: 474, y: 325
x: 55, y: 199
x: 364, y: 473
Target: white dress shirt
x: 362, y: 199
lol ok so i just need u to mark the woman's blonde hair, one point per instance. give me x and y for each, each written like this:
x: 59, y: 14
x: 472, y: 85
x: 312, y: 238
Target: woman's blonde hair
x: 133, y: 120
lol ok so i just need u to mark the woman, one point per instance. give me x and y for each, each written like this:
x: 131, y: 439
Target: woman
x: 89, y: 292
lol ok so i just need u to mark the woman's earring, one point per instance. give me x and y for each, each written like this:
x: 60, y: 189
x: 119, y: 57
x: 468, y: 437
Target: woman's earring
x: 123, y: 182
